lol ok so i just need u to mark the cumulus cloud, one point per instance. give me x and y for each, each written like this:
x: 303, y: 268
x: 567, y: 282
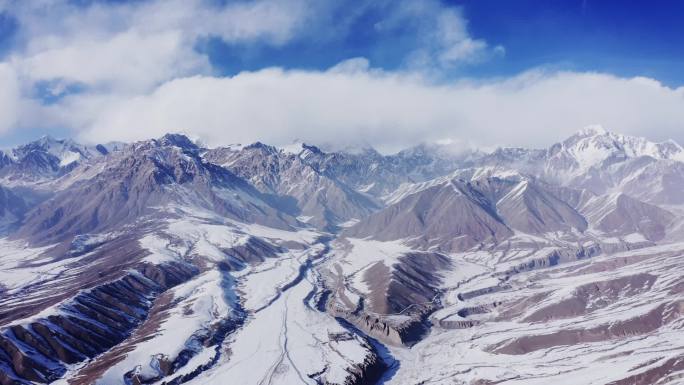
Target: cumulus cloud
x: 126, y: 62
x: 391, y: 110
x: 140, y: 76
x: 273, y: 21
x: 108, y: 56
x: 119, y: 50
x: 455, y: 43
x: 131, y: 47
x: 9, y: 98
x: 443, y: 34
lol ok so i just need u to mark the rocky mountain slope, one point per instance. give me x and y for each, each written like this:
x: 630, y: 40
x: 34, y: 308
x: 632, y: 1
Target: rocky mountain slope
x: 300, y: 187
x: 46, y: 158
x: 168, y: 262
x: 603, y: 162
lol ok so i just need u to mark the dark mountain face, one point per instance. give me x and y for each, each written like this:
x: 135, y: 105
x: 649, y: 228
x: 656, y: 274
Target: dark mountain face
x: 43, y: 159
x: 454, y: 215
x: 379, y: 175
x: 141, y: 180
x: 315, y: 197
x: 473, y: 208
x: 163, y: 261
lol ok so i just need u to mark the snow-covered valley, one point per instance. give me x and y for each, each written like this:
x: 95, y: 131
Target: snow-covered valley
x: 164, y: 262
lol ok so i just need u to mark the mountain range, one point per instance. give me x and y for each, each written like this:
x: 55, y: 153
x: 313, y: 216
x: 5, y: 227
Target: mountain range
x: 166, y: 261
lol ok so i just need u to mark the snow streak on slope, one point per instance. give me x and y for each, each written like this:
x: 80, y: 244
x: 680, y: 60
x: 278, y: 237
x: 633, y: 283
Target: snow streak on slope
x: 253, y: 299
x: 605, y: 320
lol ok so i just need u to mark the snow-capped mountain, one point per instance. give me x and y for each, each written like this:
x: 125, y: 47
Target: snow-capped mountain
x: 315, y: 197
x: 168, y: 262
x: 596, y: 147
x: 375, y: 174
x: 145, y: 178
x: 602, y: 161
x: 46, y: 158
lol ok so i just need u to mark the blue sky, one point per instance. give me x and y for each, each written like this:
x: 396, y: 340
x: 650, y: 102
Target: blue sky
x: 626, y: 38
x: 385, y: 72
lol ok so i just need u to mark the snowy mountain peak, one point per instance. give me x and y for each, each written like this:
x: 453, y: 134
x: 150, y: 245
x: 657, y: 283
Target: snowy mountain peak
x: 66, y: 151
x: 593, y: 145
x: 592, y: 130
x: 265, y: 148
x: 480, y: 173
x: 309, y: 150
x: 178, y: 140
x: 49, y: 144
x: 361, y: 149
x: 670, y: 149
x: 293, y: 148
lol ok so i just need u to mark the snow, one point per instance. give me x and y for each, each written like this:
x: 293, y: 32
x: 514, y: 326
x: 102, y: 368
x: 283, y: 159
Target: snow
x: 305, y: 236
x: 201, y: 303
x: 349, y: 223
x: 363, y: 252
x: 408, y: 189
x: 15, y: 264
x: 303, y: 336
x: 478, y: 173
x: 592, y: 130
x: 593, y: 145
x: 366, y: 188
x: 589, y: 154
x: 285, y: 339
x: 286, y: 342
x: 7, y: 220
x: 495, y: 172
x: 259, y: 281
x: 465, y: 355
x: 9, y: 153
x: 634, y: 238
x: 291, y: 340
x: 293, y: 148
x: 304, y: 218
x: 239, y: 196
x: 351, y: 257
x: 515, y: 192
x: 202, y: 237
x: 68, y: 157
x: 160, y: 249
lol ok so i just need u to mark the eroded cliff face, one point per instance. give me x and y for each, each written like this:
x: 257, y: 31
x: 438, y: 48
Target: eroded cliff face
x: 86, y: 325
x: 392, y: 330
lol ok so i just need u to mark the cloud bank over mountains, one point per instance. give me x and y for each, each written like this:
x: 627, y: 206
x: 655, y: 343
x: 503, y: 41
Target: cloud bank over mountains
x: 390, y: 110
x: 128, y: 71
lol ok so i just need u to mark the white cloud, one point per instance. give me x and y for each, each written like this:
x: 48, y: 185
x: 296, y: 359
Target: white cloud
x: 390, y: 110
x: 143, y: 77
x: 125, y: 62
x: 139, y: 55
x: 273, y: 21
x: 455, y: 45
x: 134, y: 47
x: 9, y: 98
x: 117, y: 51
x: 443, y: 35
x: 276, y: 21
